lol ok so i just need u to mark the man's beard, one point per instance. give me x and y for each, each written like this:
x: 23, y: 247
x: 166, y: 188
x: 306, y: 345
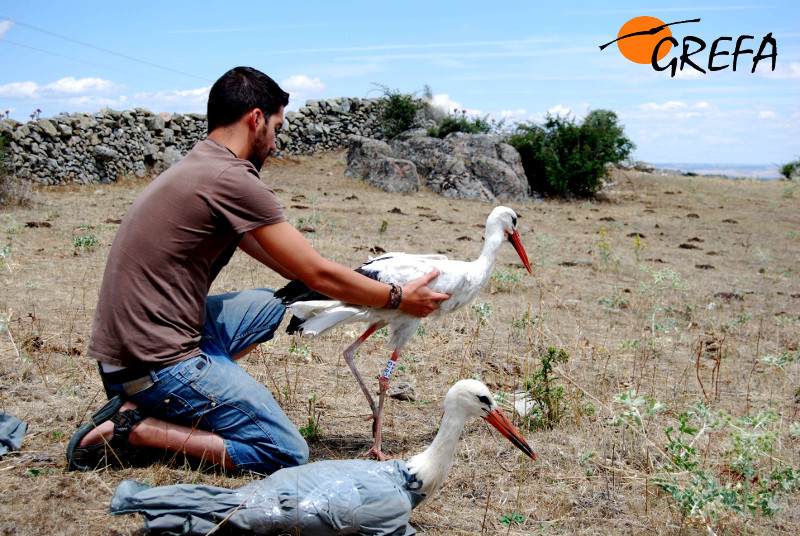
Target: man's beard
x: 257, y: 160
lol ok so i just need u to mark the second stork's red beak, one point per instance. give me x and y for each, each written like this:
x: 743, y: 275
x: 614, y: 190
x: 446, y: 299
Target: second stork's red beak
x: 499, y: 420
x: 513, y: 237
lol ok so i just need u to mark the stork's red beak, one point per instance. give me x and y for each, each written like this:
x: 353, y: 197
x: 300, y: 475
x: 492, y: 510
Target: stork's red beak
x: 513, y: 237
x: 499, y: 420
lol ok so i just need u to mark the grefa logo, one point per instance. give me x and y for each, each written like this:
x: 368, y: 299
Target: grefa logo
x: 649, y: 40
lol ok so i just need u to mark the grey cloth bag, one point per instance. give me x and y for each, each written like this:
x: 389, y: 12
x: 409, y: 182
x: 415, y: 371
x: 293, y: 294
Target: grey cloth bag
x: 324, y: 498
x: 12, y: 430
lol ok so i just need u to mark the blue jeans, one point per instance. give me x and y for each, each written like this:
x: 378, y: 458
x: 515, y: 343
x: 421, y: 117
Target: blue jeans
x: 211, y: 392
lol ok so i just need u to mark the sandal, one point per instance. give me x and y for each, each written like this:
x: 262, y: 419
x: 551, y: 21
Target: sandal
x: 110, y: 451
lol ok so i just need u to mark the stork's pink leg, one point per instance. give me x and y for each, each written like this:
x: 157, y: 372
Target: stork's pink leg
x: 376, y: 426
x: 348, y: 357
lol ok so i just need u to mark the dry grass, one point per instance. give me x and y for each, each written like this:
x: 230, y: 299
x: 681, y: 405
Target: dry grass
x: 721, y: 236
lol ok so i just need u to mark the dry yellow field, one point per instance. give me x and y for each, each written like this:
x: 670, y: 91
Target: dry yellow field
x: 705, y: 307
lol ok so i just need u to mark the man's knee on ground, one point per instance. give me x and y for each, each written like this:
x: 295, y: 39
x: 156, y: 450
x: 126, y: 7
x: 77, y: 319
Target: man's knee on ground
x: 266, y: 457
x: 298, y: 453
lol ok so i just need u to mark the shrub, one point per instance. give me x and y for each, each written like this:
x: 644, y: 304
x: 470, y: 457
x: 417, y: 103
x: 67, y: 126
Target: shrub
x: 562, y: 156
x: 397, y: 111
x: 549, y: 399
x: 790, y: 168
x: 460, y: 123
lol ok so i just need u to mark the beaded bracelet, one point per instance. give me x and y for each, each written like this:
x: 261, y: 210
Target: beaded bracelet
x: 395, y: 295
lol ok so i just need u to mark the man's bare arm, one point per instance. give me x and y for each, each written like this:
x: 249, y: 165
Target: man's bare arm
x: 289, y: 249
x: 251, y: 246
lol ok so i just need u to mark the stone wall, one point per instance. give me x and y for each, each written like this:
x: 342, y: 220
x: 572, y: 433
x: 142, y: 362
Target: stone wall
x: 88, y: 148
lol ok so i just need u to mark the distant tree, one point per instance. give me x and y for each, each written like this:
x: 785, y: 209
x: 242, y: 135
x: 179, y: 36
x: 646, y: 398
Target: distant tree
x: 791, y: 169
x: 564, y: 157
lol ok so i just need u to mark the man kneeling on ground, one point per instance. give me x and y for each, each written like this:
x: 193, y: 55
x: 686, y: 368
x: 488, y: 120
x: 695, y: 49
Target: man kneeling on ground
x: 167, y: 350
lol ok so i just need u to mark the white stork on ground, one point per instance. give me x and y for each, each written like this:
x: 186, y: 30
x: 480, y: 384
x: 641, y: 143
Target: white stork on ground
x: 315, y: 314
x: 322, y: 498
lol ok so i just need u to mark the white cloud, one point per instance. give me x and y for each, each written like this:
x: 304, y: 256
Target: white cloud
x: 182, y: 101
x: 767, y: 114
x: 520, y: 114
x: 91, y: 94
x: 444, y: 102
x: 559, y: 110
x: 73, y: 86
x: 301, y: 82
x: 783, y: 72
x: 539, y: 117
x: 688, y: 74
x: 673, y: 110
x: 4, y: 27
x: 19, y: 90
x: 450, y: 106
x: 64, y: 87
x: 301, y: 88
x: 667, y: 106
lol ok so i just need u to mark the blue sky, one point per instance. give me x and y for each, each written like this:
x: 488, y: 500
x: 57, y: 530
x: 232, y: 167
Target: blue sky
x: 514, y: 60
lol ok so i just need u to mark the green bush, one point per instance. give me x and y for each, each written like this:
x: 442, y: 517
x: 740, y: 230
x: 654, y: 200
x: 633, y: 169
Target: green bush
x: 397, y: 111
x: 563, y: 157
x: 789, y: 168
x: 461, y: 123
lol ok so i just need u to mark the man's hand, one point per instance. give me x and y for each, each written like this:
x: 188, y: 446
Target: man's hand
x: 419, y: 299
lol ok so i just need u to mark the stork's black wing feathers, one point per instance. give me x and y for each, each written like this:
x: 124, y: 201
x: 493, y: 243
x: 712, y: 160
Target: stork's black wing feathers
x: 295, y: 325
x: 372, y: 274
x: 295, y: 291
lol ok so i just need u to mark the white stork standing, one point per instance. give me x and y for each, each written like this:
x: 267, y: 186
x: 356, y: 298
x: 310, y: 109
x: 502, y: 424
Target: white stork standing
x: 315, y: 314
x: 322, y: 498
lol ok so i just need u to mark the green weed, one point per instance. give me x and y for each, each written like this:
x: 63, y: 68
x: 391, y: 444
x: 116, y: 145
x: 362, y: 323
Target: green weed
x: 312, y: 430
x: 543, y: 390
x: 484, y: 311
x: 86, y: 242
x: 514, y: 518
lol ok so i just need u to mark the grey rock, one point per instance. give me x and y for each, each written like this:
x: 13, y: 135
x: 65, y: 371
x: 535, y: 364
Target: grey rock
x: 171, y: 157
x: 465, y: 166
x: 403, y: 391
x: 362, y: 150
x: 392, y: 175
x: 156, y: 124
x: 47, y: 126
x: 103, y: 154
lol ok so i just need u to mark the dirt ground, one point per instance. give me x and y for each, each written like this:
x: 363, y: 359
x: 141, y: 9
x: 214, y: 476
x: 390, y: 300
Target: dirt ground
x: 704, y: 307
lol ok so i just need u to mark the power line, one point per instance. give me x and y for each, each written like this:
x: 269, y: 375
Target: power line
x: 131, y: 58
x: 79, y: 60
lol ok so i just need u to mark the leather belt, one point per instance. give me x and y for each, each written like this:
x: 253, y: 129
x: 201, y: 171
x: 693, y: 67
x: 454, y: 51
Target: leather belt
x: 132, y: 379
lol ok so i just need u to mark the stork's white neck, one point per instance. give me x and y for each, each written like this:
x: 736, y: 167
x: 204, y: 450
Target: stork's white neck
x: 432, y: 465
x: 492, y: 240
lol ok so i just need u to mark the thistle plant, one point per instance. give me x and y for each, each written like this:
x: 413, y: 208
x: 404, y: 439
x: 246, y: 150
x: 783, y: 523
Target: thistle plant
x: 661, y: 282
x: 604, y: 248
x: 484, y: 311
x: 4, y: 253
x: 749, y: 481
x: 638, y: 247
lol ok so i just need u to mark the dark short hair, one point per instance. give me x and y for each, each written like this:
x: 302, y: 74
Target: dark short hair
x: 240, y: 90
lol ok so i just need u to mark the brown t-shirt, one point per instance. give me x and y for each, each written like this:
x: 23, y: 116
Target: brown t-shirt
x: 175, y: 238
